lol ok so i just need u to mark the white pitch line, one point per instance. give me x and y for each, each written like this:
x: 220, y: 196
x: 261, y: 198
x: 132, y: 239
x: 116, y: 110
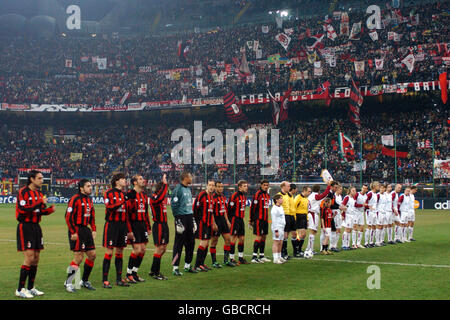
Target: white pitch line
x: 391, y: 263
x: 321, y: 259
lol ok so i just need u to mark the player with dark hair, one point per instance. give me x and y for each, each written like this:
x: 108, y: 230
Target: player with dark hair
x: 314, y: 201
x: 204, y: 217
x: 236, y: 210
x: 31, y: 205
x: 223, y: 227
x: 158, y: 203
x: 259, y: 221
x: 80, y: 214
x: 137, y: 208
x: 117, y: 229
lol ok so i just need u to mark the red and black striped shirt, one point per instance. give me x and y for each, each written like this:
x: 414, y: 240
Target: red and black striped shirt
x: 30, y: 206
x: 137, y: 207
x: 80, y: 212
x: 116, y: 207
x: 158, y: 202
x: 220, y: 205
x: 259, y: 208
x: 326, y: 214
x: 236, y: 205
x: 203, y: 207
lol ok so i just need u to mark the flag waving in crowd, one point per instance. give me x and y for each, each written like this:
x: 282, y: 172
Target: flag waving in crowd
x: 280, y: 114
x: 346, y: 148
x: 356, y: 100
x: 232, y: 108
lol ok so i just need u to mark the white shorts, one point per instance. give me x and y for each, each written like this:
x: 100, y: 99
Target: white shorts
x: 358, y: 218
x: 389, y: 217
x: 371, y: 218
x: 326, y: 232
x: 381, y: 219
x: 280, y: 235
x: 338, y: 220
x: 411, y: 217
x: 401, y: 218
x: 313, y: 221
x: 348, y: 221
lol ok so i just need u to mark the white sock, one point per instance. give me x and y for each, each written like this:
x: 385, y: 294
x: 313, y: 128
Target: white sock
x: 367, y: 237
x: 411, y: 229
x: 354, y: 237
x: 389, y: 233
x: 344, y: 239
x: 187, y: 265
x: 240, y: 254
x: 403, y: 233
x: 322, y: 237
x: 360, y: 234
x: 373, y: 236
x: 231, y: 256
x: 311, y: 242
x: 396, y: 230
x: 378, y: 236
x: 383, y: 231
x: 175, y: 268
x: 333, y: 241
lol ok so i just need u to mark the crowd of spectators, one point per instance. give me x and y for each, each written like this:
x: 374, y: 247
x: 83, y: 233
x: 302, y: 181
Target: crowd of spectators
x: 35, y: 71
x: 146, y: 148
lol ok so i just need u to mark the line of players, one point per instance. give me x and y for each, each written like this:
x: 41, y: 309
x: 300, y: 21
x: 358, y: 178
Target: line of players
x: 127, y: 222
x: 386, y: 212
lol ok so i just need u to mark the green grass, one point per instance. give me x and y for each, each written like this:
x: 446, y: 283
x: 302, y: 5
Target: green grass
x: 323, y: 277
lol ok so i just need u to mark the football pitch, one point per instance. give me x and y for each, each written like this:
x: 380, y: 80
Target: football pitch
x: 416, y: 270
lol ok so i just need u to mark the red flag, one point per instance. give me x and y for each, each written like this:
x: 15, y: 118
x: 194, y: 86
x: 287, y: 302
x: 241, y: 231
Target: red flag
x: 280, y: 113
x: 356, y: 100
x: 324, y: 91
x: 443, y: 84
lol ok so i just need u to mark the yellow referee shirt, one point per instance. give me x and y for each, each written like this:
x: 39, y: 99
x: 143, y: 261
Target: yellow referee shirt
x: 288, y: 204
x: 301, y: 204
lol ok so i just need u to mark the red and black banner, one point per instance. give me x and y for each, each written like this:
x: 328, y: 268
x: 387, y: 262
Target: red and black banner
x: 402, y: 151
x: 443, y: 84
x: 232, y: 108
x: 356, y: 100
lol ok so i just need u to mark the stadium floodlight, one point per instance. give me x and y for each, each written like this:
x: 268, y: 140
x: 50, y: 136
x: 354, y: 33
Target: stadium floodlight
x: 270, y: 12
x: 93, y: 35
x: 283, y: 13
x: 278, y: 11
x: 63, y: 34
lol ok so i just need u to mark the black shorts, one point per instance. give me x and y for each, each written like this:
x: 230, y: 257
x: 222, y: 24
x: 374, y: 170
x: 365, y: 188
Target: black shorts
x: 29, y: 237
x: 302, y: 221
x: 84, y: 242
x: 203, y: 231
x: 160, y: 233
x: 260, y: 227
x: 290, y: 224
x: 115, y: 234
x: 139, y: 231
x: 222, y: 226
x: 237, y: 226
x: 333, y: 225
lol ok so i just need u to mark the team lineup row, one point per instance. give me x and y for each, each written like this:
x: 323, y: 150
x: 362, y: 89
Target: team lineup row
x: 206, y: 218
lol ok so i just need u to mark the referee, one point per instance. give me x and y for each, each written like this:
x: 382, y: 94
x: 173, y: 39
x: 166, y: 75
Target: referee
x: 301, y: 204
x: 185, y: 226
